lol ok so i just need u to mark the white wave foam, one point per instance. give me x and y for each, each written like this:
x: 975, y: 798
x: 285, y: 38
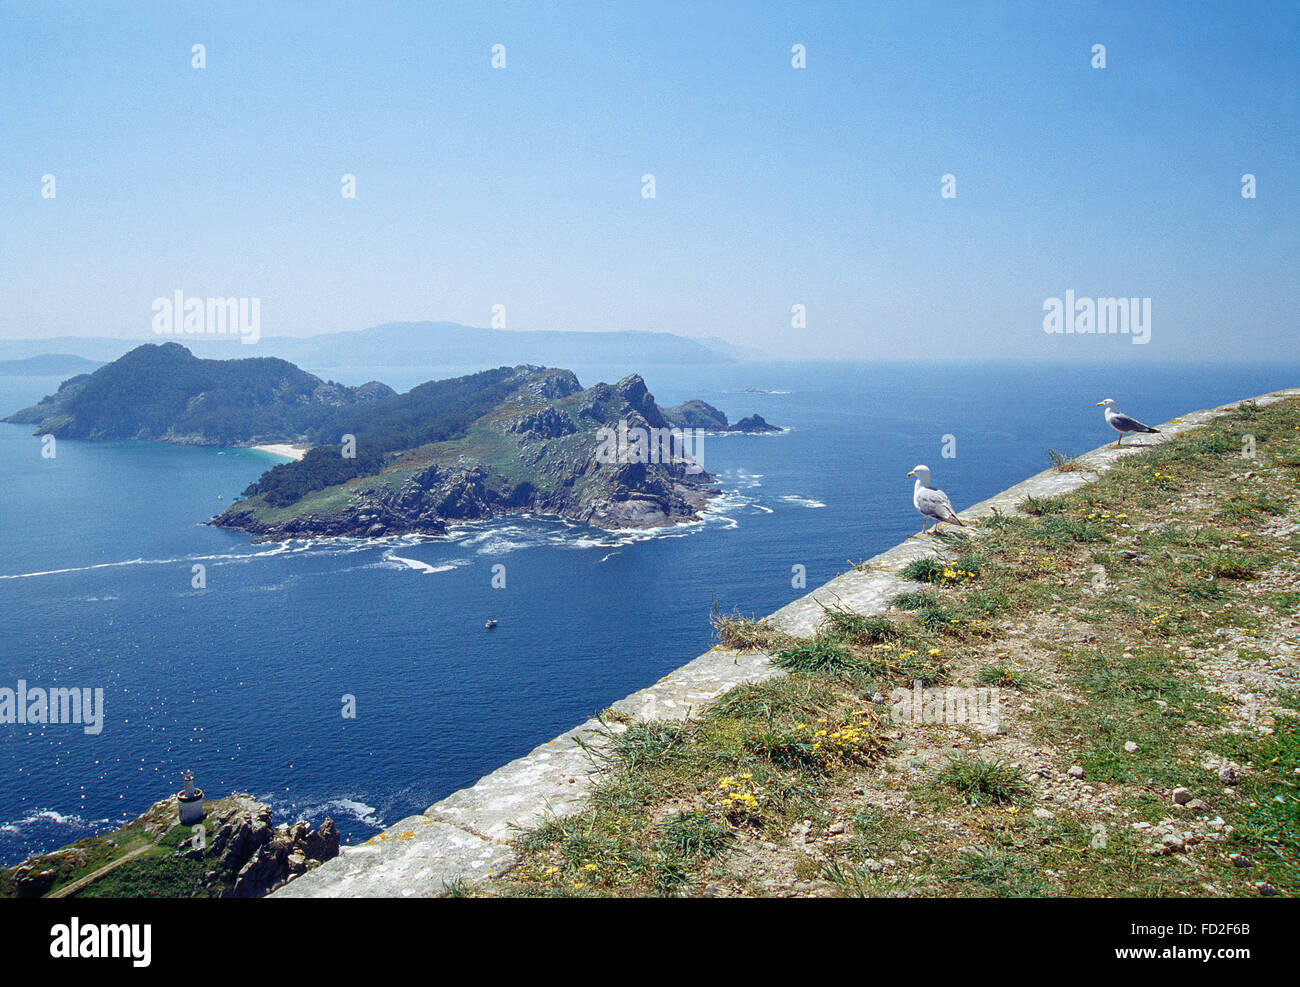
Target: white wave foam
x: 338, y: 807
x: 402, y: 561
x: 49, y: 817
x: 743, y: 479
x: 802, y: 501
x: 292, y: 546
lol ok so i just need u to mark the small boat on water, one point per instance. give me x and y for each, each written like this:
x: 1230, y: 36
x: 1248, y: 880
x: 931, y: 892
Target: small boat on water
x: 490, y: 624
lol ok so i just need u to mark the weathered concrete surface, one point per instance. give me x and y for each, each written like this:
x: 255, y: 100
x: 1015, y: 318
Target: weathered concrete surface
x: 467, y: 835
x: 414, y: 857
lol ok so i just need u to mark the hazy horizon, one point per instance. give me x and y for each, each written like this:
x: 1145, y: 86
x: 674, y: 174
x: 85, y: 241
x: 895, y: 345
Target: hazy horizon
x: 775, y: 186
x: 1099, y: 358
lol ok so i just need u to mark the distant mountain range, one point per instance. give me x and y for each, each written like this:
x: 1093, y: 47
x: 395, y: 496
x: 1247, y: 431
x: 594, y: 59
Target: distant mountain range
x: 521, y: 439
x: 47, y: 365
x: 406, y: 344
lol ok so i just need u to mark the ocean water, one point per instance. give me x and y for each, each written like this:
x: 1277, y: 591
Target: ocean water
x: 243, y: 681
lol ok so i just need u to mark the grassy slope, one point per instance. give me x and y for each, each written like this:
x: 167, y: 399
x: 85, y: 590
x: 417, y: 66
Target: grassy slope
x: 1136, y: 611
x: 157, y: 872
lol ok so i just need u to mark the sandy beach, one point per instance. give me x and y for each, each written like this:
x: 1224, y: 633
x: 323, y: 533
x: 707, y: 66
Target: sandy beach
x: 285, y: 451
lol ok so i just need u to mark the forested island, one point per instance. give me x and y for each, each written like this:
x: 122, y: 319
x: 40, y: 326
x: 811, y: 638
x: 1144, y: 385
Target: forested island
x: 521, y: 439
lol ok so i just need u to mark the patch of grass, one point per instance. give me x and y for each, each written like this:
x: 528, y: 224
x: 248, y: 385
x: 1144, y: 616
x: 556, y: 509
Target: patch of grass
x: 1269, y: 833
x: 1058, y: 529
x: 1002, y: 875
x: 989, y: 601
x: 983, y: 782
x: 150, y: 875
x: 1190, y: 587
x: 693, y: 834
x: 1232, y: 565
x: 935, y: 570
x: 926, y: 570
x: 1001, y: 522
x: 846, y: 626
x: 457, y: 887
x: 735, y: 631
x: 817, y: 655
x: 789, y: 697
x: 1287, y: 601
x: 1063, y: 463
x: 1004, y: 674
x: 937, y: 617
x: 1245, y: 507
x: 915, y: 600
x: 1040, y: 506
x: 858, y: 882
x: 650, y: 742
x: 1246, y: 411
x: 1201, y: 443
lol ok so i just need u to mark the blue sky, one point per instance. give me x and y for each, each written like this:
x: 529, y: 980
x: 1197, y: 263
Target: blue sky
x: 774, y: 185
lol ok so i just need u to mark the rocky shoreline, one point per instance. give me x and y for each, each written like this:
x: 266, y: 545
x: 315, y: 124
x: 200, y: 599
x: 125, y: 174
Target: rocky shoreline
x: 236, y: 852
x: 463, y: 495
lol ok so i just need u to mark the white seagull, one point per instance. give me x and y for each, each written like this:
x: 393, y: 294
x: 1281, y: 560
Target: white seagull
x: 1122, y: 423
x: 930, y: 502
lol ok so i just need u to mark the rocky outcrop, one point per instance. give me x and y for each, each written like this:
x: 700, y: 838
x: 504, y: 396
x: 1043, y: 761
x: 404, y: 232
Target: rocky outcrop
x: 236, y: 852
x: 545, y: 424
x: 250, y: 856
x: 363, y: 519
x: 702, y: 415
x: 754, y: 424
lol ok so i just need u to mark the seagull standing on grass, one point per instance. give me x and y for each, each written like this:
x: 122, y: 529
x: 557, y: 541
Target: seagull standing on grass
x: 930, y: 502
x: 1122, y: 423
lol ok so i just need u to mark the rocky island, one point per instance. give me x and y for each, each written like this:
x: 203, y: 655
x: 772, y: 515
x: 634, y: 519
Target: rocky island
x: 513, y: 440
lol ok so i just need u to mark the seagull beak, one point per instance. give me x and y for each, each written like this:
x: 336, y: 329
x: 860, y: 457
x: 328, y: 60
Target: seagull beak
x: 1100, y: 403
x: 913, y: 473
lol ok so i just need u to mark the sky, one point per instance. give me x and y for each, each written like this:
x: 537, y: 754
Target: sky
x: 774, y: 186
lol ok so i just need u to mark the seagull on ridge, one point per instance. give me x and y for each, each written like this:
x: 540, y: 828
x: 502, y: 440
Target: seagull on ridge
x: 930, y: 502
x: 1120, y: 422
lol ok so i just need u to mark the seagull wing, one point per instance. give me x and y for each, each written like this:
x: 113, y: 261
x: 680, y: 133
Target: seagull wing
x: 1126, y: 424
x: 935, y: 503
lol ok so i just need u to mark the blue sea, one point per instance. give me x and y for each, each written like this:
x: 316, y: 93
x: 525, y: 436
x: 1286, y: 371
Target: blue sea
x: 243, y: 681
